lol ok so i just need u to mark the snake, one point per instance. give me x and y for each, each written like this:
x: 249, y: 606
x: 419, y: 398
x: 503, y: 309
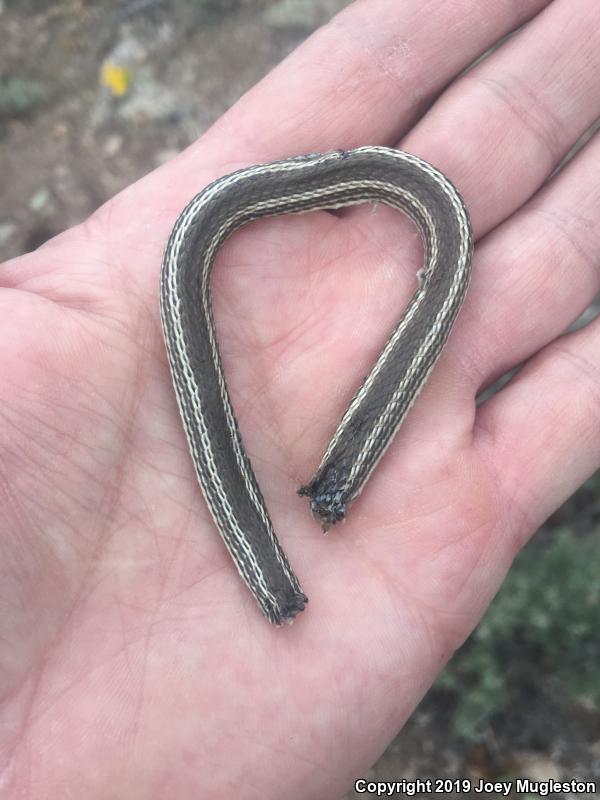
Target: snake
x: 312, y: 182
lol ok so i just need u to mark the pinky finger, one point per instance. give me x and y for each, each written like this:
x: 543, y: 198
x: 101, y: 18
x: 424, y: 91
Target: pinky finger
x: 541, y: 433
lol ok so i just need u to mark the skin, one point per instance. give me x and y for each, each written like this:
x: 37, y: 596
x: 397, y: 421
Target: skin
x: 131, y: 655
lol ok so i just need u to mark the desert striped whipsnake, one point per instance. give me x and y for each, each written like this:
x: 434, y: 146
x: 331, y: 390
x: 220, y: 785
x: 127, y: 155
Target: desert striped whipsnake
x: 305, y: 183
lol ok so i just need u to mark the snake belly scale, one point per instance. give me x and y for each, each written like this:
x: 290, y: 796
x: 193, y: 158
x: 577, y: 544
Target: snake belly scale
x: 300, y: 184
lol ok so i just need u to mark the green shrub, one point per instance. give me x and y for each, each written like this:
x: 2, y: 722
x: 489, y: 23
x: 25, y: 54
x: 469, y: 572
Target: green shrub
x: 541, y: 636
x: 19, y: 96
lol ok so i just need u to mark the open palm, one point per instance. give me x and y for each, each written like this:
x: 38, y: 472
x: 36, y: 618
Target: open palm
x: 134, y: 662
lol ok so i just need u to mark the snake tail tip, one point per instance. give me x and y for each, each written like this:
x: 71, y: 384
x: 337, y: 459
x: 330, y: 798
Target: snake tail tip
x: 327, y: 503
x: 287, y: 613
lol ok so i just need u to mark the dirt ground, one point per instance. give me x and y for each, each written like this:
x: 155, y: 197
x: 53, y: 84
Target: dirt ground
x: 77, y: 142
x: 97, y: 94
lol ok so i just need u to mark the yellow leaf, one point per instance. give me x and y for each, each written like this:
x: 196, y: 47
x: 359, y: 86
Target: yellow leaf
x: 116, y: 78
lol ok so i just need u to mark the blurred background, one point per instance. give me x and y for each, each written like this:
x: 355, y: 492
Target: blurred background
x: 93, y: 95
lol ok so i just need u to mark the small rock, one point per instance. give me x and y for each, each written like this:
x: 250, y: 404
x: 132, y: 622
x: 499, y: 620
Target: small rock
x: 301, y: 13
x: 162, y: 156
x: 40, y: 199
x: 537, y: 767
x: 113, y: 145
x: 7, y: 228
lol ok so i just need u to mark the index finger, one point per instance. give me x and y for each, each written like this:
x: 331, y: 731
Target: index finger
x: 366, y: 76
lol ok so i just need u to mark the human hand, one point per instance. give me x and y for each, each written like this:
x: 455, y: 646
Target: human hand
x: 134, y: 658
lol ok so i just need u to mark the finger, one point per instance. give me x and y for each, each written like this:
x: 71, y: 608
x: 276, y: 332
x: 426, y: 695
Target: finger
x: 500, y: 170
x: 368, y: 74
x: 535, y: 274
x: 542, y: 432
x: 365, y: 77
x: 518, y: 112
x: 504, y: 126
x: 383, y: 68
